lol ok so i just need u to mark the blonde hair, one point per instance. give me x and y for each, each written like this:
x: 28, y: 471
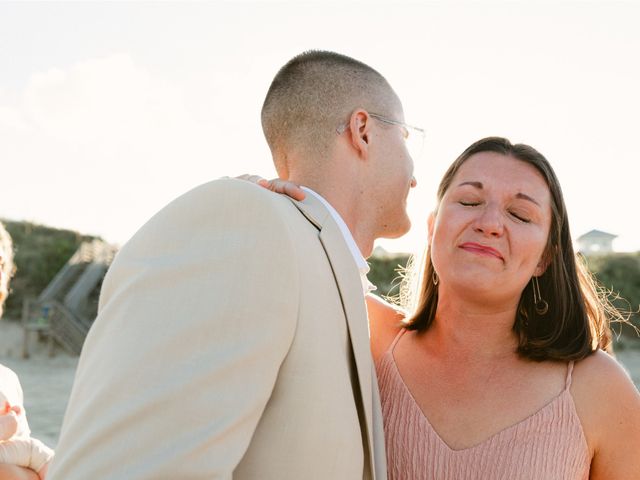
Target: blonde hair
x: 7, y: 268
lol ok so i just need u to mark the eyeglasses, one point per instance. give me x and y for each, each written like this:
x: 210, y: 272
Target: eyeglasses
x: 413, y: 136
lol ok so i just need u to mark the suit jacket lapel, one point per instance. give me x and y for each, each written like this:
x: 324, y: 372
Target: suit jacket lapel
x: 350, y: 287
x: 379, y: 454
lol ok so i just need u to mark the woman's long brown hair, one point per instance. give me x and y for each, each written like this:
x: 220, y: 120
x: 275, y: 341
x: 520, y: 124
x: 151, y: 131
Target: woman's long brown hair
x: 577, y: 320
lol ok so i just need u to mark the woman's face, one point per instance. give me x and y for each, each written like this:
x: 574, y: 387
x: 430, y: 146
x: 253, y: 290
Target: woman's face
x: 490, y: 232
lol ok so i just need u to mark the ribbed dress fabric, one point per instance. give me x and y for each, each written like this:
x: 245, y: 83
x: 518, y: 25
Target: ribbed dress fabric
x: 548, y: 445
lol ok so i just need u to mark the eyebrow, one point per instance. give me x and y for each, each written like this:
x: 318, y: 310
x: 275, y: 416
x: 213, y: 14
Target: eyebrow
x: 520, y: 195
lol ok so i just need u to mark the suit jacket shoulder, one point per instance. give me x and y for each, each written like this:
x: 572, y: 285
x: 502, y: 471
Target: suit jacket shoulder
x: 197, y: 313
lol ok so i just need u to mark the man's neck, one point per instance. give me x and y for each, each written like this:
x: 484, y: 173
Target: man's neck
x: 349, y: 205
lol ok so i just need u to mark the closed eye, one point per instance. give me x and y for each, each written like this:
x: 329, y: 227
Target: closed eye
x: 469, y: 204
x: 519, y: 217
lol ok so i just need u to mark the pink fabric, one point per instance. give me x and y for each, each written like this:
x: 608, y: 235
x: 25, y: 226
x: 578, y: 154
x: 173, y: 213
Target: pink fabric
x: 548, y: 445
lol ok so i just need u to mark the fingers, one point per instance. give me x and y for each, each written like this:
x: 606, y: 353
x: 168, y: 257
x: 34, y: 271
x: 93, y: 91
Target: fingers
x: 294, y: 191
x: 276, y: 185
x: 8, y: 425
x: 14, y: 472
x: 286, y: 187
x: 250, y: 178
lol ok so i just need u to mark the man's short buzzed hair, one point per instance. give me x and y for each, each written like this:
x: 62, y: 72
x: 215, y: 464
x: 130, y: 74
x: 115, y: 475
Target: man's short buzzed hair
x: 312, y: 95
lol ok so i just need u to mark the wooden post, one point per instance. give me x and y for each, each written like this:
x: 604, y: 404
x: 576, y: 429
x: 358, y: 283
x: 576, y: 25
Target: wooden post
x: 26, y: 307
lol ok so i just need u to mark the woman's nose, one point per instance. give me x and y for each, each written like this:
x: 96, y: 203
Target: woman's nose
x: 489, y: 222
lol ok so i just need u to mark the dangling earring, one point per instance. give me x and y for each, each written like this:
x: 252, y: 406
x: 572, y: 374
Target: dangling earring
x: 541, y: 305
x: 435, y: 278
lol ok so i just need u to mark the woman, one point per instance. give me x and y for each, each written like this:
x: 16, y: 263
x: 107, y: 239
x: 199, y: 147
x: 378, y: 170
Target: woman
x: 500, y: 372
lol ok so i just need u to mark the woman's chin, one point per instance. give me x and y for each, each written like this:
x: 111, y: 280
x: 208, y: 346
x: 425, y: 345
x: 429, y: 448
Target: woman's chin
x: 476, y: 285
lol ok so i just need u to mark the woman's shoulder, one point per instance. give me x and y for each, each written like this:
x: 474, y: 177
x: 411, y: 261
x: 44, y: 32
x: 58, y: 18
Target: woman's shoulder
x: 606, y: 401
x: 385, y: 321
x: 600, y: 374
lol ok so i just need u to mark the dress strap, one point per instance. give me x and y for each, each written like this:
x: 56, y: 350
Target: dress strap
x: 569, y: 372
x: 395, y: 340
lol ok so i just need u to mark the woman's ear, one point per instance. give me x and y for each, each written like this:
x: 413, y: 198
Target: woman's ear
x: 545, y: 261
x: 359, y: 127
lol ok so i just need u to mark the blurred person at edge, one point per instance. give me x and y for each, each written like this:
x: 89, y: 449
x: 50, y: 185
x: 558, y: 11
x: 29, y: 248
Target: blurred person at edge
x: 21, y: 457
x: 500, y: 370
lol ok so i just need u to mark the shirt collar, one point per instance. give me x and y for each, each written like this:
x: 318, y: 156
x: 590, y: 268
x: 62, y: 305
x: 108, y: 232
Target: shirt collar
x: 361, y: 263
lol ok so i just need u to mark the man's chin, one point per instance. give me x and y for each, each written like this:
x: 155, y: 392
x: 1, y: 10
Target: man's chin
x: 397, y: 231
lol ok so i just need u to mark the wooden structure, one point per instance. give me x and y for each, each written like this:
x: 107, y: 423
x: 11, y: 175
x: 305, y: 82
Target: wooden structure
x: 67, y: 307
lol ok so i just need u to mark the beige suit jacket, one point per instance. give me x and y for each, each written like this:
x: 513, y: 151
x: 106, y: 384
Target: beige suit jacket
x: 231, y: 342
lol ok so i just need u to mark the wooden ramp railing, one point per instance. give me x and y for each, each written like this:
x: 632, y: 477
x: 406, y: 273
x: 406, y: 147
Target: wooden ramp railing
x: 65, y: 328
x: 55, y: 321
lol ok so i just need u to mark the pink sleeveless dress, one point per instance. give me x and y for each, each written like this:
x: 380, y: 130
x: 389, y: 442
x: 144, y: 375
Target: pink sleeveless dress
x: 548, y: 445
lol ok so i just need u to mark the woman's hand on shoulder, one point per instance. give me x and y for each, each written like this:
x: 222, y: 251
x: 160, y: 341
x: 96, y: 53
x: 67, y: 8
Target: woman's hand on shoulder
x: 276, y: 185
x: 384, y: 324
x: 608, y: 405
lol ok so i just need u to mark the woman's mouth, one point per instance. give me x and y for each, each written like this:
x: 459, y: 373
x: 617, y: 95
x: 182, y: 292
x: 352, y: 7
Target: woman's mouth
x: 480, y: 249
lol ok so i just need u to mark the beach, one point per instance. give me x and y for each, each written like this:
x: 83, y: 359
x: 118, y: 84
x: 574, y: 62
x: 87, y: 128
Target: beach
x: 47, y: 382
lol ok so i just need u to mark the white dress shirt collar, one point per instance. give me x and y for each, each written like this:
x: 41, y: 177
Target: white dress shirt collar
x: 361, y: 263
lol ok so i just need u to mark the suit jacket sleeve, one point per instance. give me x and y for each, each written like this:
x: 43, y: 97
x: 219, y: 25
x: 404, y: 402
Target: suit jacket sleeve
x: 197, y: 314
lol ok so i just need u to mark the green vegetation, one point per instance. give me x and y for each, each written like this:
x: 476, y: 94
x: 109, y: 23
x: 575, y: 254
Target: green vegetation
x: 40, y: 252
x: 618, y: 274
x: 386, y: 272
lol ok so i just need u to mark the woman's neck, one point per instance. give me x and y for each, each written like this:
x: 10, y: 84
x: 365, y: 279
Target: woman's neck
x: 466, y: 329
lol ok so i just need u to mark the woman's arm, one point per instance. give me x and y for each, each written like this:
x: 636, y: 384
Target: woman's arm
x: 608, y: 405
x: 384, y: 324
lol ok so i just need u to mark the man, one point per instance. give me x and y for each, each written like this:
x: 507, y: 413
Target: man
x: 231, y: 340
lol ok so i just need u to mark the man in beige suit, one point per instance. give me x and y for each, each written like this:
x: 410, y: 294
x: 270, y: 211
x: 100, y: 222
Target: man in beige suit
x: 231, y: 340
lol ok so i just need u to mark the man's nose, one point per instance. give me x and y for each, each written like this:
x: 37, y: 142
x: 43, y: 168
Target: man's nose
x: 414, y: 182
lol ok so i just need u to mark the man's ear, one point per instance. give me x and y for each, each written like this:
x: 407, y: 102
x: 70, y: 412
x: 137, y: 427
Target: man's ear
x: 359, y: 128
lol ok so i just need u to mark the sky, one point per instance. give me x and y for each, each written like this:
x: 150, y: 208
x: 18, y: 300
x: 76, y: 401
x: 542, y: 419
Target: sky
x: 109, y: 110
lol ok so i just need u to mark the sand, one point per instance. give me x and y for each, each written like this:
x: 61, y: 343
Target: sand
x: 46, y: 382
